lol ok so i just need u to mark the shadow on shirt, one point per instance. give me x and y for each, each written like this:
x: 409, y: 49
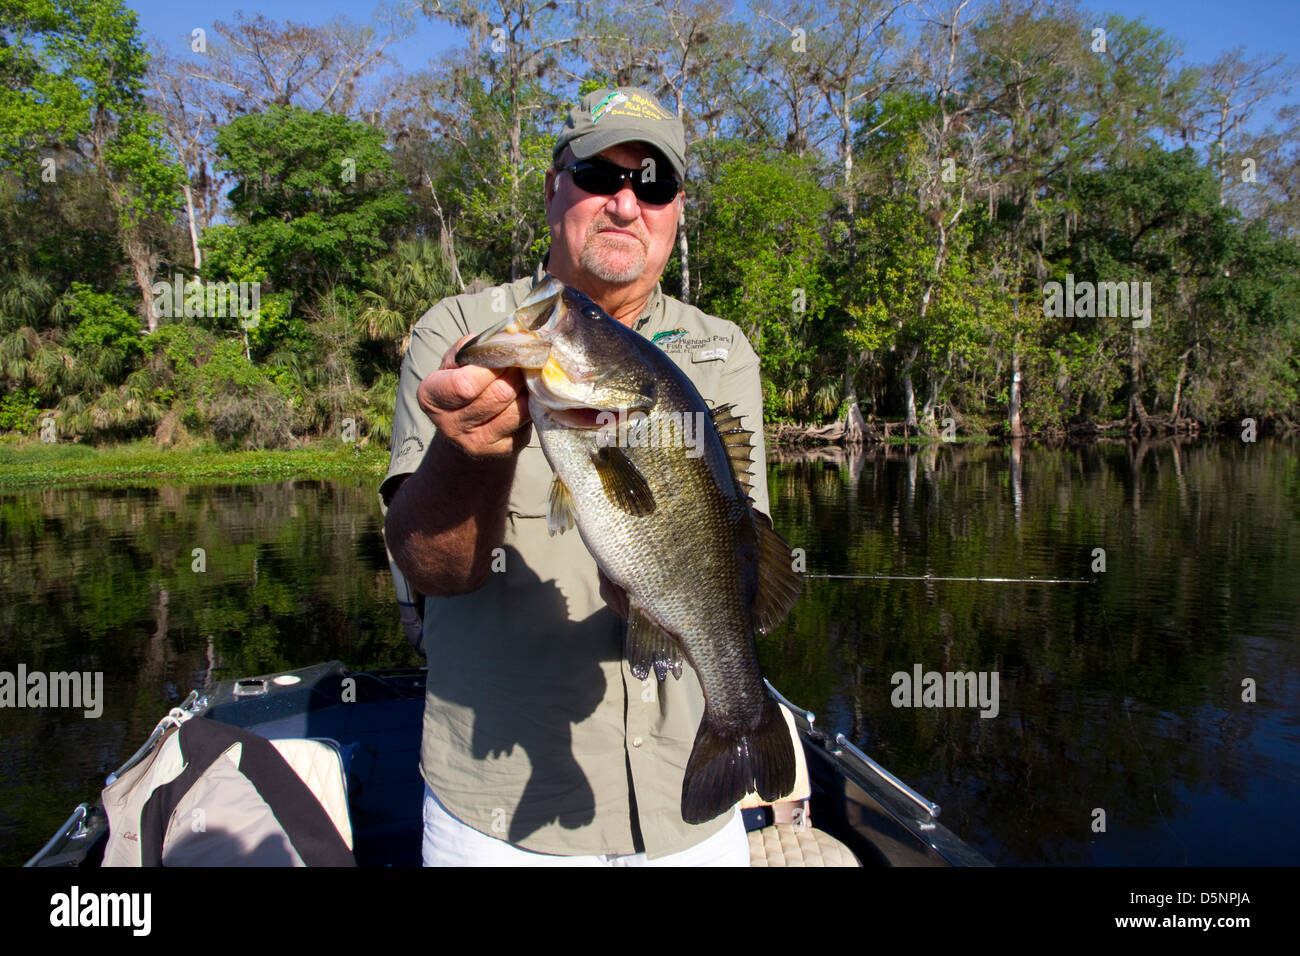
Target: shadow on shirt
x: 509, y: 654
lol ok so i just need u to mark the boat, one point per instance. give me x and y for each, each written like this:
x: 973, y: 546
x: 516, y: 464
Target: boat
x: 372, y: 720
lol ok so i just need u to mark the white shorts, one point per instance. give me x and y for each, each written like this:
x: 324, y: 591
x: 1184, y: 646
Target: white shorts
x: 449, y: 842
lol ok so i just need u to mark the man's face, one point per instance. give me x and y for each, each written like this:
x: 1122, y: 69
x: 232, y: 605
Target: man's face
x: 598, y: 242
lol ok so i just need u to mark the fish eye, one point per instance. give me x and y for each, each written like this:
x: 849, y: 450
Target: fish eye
x: 592, y: 312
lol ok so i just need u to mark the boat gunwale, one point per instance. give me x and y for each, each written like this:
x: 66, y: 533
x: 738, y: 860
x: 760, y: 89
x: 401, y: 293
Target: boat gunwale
x: 934, y: 843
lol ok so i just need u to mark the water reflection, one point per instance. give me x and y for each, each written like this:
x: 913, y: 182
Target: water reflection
x: 160, y: 588
x: 1123, y: 696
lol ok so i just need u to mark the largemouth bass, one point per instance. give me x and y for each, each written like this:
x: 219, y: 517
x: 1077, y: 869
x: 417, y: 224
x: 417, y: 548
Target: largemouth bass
x: 657, y: 486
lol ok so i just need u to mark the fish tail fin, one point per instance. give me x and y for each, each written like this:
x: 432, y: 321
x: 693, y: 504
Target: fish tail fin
x: 723, y: 767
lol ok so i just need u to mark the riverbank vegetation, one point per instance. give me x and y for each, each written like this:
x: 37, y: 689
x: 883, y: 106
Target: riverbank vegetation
x: 1021, y: 214
x: 32, y: 463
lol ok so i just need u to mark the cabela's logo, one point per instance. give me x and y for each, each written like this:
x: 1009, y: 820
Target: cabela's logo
x: 669, y: 335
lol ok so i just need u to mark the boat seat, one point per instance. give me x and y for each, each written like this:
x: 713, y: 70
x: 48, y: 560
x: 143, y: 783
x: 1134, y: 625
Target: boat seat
x: 785, y: 844
x: 318, y: 762
x: 792, y: 840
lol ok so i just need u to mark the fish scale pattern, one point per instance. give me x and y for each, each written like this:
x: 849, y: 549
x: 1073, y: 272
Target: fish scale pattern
x: 701, y: 585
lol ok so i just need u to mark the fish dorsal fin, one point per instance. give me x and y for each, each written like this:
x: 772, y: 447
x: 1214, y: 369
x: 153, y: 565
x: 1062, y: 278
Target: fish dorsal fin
x: 650, y: 646
x: 560, y: 516
x: 736, y: 442
x: 779, y: 583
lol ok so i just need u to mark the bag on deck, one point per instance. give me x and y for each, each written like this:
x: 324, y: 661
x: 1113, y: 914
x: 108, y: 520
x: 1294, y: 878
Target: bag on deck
x: 210, y: 794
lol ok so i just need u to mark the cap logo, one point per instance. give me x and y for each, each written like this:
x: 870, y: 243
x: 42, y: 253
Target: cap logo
x: 634, y: 106
x: 612, y: 100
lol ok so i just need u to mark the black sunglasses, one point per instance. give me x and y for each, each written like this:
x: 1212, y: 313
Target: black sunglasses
x: 601, y: 178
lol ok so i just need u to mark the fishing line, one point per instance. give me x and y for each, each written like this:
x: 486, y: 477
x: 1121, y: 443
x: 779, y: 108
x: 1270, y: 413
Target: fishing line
x: 931, y: 577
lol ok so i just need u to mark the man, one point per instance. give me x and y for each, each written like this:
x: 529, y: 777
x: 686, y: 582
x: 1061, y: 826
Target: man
x: 539, y: 746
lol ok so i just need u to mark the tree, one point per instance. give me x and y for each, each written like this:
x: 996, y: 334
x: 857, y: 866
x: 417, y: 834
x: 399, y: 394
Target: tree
x: 1230, y: 88
x: 315, y: 197
x: 493, y: 104
x: 255, y: 64
x: 75, y: 71
x: 760, y: 256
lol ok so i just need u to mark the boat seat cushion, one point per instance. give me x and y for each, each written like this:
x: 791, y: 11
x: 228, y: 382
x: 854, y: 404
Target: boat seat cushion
x: 784, y: 844
x: 320, y: 766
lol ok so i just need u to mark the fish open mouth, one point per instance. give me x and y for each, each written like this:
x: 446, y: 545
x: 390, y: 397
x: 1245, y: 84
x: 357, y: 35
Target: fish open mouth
x: 522, y: 338
x: 580, y: 418
x: 579, y: 372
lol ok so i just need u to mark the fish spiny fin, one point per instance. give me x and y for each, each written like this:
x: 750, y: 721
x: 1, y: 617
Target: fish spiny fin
x: 736, y: 442
x: 649, y: 645
x: 624, y: 484
x: 560, y: 516
x: 779, y: 583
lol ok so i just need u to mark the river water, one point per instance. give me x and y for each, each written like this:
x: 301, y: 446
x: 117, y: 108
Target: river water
x: 1149, y: 715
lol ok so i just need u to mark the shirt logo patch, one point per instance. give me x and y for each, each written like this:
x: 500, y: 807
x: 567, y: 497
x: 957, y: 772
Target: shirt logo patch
x: 680, y: 340
x: 670, y: 335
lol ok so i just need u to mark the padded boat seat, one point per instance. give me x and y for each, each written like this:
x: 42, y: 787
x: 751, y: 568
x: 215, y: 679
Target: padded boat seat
x: 319, y: 765
x: 784, y: 844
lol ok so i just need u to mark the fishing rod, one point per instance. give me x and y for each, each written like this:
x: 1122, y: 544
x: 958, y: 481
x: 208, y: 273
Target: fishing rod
x: 931, y: 577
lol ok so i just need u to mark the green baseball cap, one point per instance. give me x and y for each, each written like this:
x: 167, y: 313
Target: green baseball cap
x: 625, y: 114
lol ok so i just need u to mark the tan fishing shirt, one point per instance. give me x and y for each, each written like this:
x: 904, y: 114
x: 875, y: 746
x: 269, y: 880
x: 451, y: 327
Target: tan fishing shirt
x: 535, y: 730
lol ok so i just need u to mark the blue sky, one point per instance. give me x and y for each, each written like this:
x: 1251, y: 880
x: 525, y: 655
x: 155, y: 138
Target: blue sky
x: 1204, y: 28
x: 173, y: 21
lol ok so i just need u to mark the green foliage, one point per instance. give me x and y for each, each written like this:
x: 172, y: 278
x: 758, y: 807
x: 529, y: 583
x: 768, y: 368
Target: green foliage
x: 140, y: 157
x: 761, y: 262
x: 38, y: 463
x: 316, y: 197
x: 401, y: 287
x: 18, y: 410
x: 242, y: 406
x: 494, y: 202
x: 104, y: 327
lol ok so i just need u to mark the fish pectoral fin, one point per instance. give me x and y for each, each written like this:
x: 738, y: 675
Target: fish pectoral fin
x: 649, y: 645
x: 779, y: 583
x: 623, y: 482
x: 560, y: 516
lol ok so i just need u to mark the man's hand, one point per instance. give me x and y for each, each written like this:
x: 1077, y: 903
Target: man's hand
x: 481, y: 411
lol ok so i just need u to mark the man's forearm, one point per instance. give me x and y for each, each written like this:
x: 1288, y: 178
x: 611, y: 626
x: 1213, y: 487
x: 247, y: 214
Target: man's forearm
x: 446, y: 518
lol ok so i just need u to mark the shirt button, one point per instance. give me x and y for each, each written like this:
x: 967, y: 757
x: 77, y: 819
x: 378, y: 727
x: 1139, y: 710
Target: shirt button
x: 636, y: 741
